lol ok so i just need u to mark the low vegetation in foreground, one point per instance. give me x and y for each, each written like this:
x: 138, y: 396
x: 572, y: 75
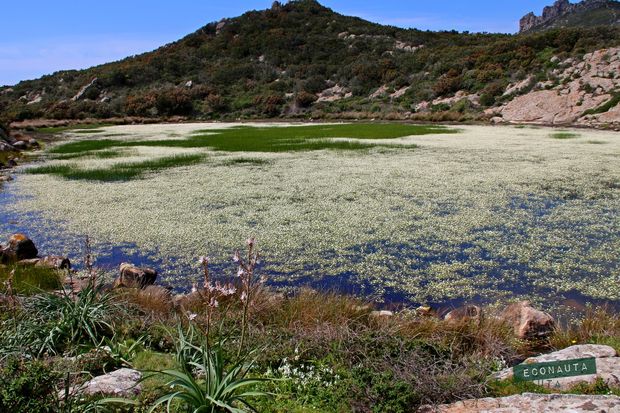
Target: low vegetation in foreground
x: 233, y: 345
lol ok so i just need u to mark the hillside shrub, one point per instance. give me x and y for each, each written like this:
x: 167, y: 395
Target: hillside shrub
x: 175, y: 101
x: 448, y: 83
x: 305, y: 99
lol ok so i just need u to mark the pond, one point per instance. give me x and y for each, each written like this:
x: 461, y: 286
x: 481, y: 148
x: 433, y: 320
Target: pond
x: 479, y: 215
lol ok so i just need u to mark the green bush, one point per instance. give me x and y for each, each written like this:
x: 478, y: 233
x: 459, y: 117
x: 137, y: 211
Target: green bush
x: 27, y: 386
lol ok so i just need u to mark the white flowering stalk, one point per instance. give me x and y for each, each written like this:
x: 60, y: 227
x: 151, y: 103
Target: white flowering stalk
x: 245, y: 273
x: 212, y: 292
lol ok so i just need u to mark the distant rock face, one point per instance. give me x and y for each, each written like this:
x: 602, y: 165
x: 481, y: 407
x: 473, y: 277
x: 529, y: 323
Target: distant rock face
x: 82, y: 92
x: 558, y: 9
x: 333, y: 94
x: 582, y: 85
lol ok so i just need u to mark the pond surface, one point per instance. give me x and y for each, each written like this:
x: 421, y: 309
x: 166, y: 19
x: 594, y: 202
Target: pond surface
x: 485, y: 215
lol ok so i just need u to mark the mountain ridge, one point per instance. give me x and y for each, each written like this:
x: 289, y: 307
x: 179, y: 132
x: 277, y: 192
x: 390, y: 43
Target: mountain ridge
x: 562, y: 13
x: 303, y: 60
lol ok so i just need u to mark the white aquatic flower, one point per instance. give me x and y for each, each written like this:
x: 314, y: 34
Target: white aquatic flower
x: 454, y: 200
x: 192, y: 316
x: 236, y: 257
x: 240, y: 272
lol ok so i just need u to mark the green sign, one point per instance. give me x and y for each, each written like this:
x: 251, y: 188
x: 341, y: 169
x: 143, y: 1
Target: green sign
x: 554, y: 369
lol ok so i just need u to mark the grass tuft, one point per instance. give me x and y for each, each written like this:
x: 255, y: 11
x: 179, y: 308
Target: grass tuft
x: 117, y: 172
x: 564, y: 135
x: 30, y: 280
x: 104, y: 154
x: 245, y: 161
x: 272, y: 139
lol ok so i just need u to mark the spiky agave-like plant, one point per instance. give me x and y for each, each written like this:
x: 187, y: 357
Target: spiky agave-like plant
x: 204, y: 384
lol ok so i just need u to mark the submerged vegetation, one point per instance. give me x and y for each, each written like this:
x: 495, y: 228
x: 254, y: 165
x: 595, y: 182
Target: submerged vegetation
x: 487, y: 213
x: 564, y: 135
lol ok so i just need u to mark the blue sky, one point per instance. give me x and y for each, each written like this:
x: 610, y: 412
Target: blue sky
x: 40, y: 37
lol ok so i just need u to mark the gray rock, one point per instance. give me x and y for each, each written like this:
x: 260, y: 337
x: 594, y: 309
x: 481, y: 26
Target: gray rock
x: 220, y: 26
x: 607, y: 366
x: 529, y: 402
x: 119, y: 383
x: 20, y: 145
x: 5, y: 147
x: 30, y: 262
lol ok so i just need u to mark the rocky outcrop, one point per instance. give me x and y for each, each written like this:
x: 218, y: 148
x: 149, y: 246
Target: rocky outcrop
x: 135, y: 277
x: 529, y: 402
x: 527, y: 322
x: 607, y: 366
x: 559, y: 9
x: 85, y: 89
x: 333, y: 94
x: 581, y: 86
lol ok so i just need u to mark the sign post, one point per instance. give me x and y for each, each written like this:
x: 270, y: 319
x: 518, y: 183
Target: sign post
x: 554, y: 369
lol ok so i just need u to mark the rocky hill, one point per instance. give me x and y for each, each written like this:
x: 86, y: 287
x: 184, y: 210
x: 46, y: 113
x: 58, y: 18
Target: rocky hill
x: 562, y: 13
x: 303, y: 60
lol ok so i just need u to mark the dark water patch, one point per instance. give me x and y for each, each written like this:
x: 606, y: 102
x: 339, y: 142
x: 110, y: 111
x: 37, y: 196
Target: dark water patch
x: 494, y: 274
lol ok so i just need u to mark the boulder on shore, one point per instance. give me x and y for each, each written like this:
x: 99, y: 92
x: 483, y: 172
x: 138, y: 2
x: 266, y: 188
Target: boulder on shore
x: 468, y: 312
x: 22, y: 247
x: 528, y: 323
x: 54, y: 262
x: 135, y: 277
